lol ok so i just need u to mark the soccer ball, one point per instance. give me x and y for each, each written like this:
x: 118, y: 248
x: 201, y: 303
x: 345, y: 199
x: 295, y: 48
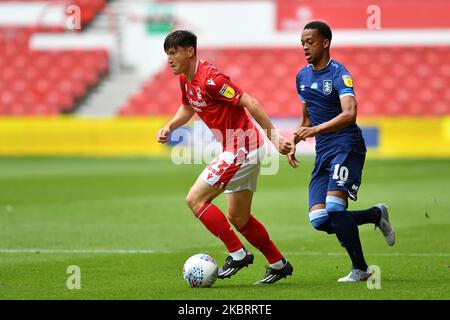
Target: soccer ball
x: 200, y: 271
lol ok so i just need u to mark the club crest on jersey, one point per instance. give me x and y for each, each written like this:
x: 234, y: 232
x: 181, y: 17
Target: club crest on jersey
x: 199, y: 93
x: 348, y: 80
x: 327, y: 87
x: 227, y: 91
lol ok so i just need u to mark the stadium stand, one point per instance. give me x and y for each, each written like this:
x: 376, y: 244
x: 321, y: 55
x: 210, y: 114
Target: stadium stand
x: 389, y: 81
x: 89, y: 9
x: 346, y: 14
x: 34, y: 82
x: 47, y: 82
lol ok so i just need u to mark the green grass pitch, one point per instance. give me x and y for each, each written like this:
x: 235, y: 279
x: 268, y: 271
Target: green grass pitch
x: 58, y: 212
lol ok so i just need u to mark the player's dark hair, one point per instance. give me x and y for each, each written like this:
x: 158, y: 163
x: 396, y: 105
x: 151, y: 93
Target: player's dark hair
x: 180, y: 38
x: 322, y: 27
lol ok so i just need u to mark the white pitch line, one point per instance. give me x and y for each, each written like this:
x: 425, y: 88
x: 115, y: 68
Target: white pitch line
x: 83, y: 251
x: 388, y: 254
x: 150, y: 251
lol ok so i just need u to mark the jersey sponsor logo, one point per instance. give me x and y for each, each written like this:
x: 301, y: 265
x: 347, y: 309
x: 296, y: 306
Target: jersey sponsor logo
x: 348, y: 81
x: 227, y: 91
x: 197, y: 104
x: 327, y: 87
x: 210, y: 82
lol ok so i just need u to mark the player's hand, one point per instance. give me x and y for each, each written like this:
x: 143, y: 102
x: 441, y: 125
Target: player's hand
x: 163, y: 135
x: 283, y: 145
x: 293, y: 162
x: 306, y: 132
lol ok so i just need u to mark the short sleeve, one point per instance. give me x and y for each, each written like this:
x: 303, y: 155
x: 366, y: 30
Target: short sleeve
x: 298, y: 81
x: 343, y: 83
x: 184, y: 99
x: 219, y: 87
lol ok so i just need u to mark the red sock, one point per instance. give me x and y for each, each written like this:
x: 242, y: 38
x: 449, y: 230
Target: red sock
x: 215, y: 221
x: 257, y: 235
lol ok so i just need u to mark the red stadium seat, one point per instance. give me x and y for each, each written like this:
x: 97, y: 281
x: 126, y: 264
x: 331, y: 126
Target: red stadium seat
x: 389, y: 81
x: 89, y: 8
x: 46, y: 82
x: 37, y: 82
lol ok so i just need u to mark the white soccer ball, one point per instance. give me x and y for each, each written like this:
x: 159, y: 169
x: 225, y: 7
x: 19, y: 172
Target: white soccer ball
x: 200, y: 271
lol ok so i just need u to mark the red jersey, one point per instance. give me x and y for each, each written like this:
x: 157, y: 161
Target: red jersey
x: 214, y: 98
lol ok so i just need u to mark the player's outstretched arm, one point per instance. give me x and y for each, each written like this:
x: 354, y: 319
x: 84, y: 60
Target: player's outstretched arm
x: 256, y: 110
x: 182, y: 116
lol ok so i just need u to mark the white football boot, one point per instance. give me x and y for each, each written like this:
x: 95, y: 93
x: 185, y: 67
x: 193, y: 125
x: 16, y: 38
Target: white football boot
x: 384, y: 224
x: 356, y: 275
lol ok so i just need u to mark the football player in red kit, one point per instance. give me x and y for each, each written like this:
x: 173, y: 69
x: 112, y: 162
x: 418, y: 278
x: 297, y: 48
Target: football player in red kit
x: 221, y: 105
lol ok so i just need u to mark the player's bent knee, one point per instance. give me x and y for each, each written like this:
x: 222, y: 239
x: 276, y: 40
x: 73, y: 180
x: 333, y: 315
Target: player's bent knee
x: 335, y: 204
x: 193, y: 203
x: 239, y: 221
x: 233, y: 219
x: 190, y: 201
x: 320, y: 220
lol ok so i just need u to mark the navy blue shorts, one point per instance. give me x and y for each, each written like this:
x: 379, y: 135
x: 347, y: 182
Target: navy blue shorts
x: 339, y: 172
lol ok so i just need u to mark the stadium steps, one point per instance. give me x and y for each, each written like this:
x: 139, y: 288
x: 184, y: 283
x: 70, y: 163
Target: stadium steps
x: 112, y: 21
x: 110, y: 94
x: 106, y: 20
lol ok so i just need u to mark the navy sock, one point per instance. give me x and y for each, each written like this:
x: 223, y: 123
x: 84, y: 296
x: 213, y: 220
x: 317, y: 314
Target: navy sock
x: 348, y: 235
x: 371, y: 215
x: 326, y: 226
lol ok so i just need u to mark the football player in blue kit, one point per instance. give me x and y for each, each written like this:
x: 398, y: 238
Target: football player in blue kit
x: 329, y: 111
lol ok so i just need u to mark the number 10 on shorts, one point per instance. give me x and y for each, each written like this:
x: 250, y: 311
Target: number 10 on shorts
x: 340, y: 173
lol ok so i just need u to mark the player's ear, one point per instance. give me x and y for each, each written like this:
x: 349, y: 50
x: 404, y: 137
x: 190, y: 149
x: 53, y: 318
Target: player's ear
x: 326, y: 43
x: 191, y: 52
